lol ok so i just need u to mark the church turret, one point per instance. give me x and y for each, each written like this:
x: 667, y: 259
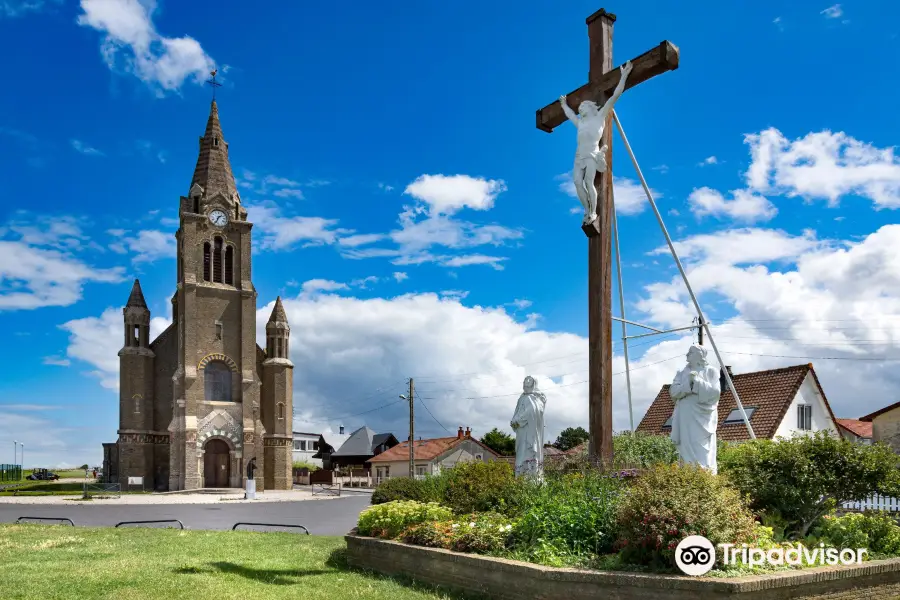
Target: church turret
x: 136, y: 389
x: 278, y: 399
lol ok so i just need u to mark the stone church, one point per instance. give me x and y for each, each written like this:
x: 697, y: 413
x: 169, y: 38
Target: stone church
x: 201, y: 400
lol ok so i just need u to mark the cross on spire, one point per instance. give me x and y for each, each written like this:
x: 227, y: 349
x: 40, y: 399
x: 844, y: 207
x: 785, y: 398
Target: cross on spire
x: 212, y: 82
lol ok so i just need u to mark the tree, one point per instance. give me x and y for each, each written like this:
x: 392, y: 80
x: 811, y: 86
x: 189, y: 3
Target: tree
x: 84, y: 467
x: 571, y: 437
x: 500, y: 442
x: 801, y: 479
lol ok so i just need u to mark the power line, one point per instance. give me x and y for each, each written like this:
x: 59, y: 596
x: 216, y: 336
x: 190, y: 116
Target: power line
x: 370, y: 396
x: 874, y: 359
x: 365, y: 412
x: 430, y: 413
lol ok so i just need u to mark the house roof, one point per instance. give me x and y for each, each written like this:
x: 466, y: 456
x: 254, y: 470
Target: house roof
x: 769, y: 392
x: 552, y: 451
x: 881, y: 411
x: 857, y: 427
x: 425, y: 449
x: 363, y: 442
x: 335, y: 440
x: 307, y: 433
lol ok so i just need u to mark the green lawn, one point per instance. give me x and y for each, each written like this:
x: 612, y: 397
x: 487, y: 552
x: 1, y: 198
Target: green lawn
x: 48, y: 562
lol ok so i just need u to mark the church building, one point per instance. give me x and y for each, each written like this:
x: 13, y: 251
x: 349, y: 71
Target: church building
x: 201, y: 400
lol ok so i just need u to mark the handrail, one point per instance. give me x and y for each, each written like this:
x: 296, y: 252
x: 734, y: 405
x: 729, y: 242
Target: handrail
x: 270, y: 525
x: 156, y: 521
x: 44, y: 519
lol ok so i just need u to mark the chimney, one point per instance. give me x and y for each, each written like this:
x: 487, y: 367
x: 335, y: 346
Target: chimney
x: 342, y: 430
x: 723, y: 384
x: 459, y: 434
x: 468, y: 432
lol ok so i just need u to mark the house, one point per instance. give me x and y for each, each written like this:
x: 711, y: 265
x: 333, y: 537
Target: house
x: 431, y: 456
x: 306, y: 445
x: 361, y: 446
x: 886, y: 425
x: 779, y: 402
x: 855, y: 430
x: 328, y: 444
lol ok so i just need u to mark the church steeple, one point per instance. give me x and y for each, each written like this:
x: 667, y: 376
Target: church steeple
x: 213, y: 171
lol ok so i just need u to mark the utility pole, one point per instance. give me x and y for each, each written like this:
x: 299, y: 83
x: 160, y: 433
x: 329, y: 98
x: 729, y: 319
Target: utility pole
x: 700, y: 335
x: 412, y: 437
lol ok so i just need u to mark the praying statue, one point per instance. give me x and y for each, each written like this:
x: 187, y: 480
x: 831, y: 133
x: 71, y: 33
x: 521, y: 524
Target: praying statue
x: 695, y: 392
x: 251, y: 468
x: 590, y: 157
x: 528, y: 425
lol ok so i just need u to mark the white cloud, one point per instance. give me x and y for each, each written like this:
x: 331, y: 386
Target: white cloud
x: 521, y: 304
x: 743, y: 206
x: 447, y: 194
x: 709, y: 160
x: 364, y: 282
x: 361, y: 239
x: 322, y: 285
x: 283, y: 233
x: 276, y: 181
x: 19, y: 8
x: 289, y: 193
x: 474, y: 259
x: 628, y: 194
x: 80, y: 146
x: 385, y: 187
x: 833, y: 12
x: 56, y: 361
x: 148, y: 245
x: 133, y: 44
x: 400, y: 276
x: 823, y: 166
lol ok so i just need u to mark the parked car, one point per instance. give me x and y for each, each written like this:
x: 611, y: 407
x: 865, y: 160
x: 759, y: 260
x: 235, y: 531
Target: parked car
x: 42, y: 475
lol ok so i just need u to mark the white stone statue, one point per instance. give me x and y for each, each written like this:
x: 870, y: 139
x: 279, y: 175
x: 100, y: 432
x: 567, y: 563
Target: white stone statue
x: 589, y: 158
x: 695, y: 392
x: 528, y: 425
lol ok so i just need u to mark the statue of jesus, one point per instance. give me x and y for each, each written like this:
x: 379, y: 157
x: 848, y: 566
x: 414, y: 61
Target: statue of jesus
x: 528, y: 425
x: 695, y: 392
x: 589, y: 159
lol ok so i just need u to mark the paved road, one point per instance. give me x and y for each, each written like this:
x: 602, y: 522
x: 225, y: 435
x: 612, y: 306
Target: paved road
x: 322, y: 517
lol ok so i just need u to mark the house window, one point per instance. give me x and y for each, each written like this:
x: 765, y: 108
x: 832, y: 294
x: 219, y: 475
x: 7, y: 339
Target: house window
x: 420, y: 470
x: 280, y: 410
x: 217, y: 381
x: 217, y: 261
x: 297, y: 445
x: 804, y: 417
x: 206, y: 262
x: 218, y: 330
x: 302, y: 444
x: 735, y: 415
x: 229, y: 265
x: 315, y: 446
x: 668, y: 422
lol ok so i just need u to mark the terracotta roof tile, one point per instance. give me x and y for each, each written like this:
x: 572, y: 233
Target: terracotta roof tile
x: 880, y: 411
x: 424, y: 449
x: 769, y: 392
x: 857, y: 427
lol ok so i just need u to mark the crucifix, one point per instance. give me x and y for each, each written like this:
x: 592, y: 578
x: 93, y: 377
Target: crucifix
x: 211, y: 82
x: 603, y: 84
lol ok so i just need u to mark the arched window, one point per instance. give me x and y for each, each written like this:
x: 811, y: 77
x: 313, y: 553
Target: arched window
x: 217, y: 261
x: 270, y: 346
x: 217, y: 381
x: 229, y: 265
x: 206, y: 262
x: 137, y: 404
x: 278, y: 347
x: 280, y: 410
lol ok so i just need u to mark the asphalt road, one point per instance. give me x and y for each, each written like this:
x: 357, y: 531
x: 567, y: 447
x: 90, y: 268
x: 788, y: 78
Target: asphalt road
x: 322, y: 517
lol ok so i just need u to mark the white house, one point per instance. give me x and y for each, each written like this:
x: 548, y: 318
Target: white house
x: 779, y: 402
x: 305, y: 446
x: 430, y: 456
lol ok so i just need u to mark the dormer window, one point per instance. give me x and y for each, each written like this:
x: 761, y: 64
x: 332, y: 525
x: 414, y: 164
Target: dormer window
x: 216, y: 141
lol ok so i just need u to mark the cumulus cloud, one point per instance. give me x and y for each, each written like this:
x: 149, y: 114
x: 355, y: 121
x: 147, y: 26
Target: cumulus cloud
x: 447, y: 194
x: 83, y: 148
x: 744, y: 205
x: 147, y: 245
x: 280, y: 232
x: 400, y: 276
x: 132, y: 43
x: 628, y: 194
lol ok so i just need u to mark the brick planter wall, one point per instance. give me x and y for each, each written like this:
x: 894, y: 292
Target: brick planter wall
x: 503, y: 579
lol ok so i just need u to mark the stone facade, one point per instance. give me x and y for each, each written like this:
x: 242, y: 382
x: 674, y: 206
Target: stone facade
x: 202, y: 399
x: 503, y: 579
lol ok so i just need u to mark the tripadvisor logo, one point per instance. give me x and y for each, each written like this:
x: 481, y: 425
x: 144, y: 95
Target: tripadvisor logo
x: 695, y: 555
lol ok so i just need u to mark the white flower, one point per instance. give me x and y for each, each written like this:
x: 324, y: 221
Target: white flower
x: 472, y: 524
x: 455, y: 525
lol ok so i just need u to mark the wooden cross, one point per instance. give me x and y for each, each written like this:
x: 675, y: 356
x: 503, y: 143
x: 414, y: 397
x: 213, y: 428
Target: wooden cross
x: 602, y: 80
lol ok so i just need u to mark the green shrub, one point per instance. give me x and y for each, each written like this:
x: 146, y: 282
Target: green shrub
x: 481, y: 487
x: 670, y: 502
x: 641, y: 450
x: 803, y: 478
x: 390, y: 519
x: 299, y: 464
x: 571, y: 515
x: 876, y: 532
x: 481, y: 533
x: 429, y: 489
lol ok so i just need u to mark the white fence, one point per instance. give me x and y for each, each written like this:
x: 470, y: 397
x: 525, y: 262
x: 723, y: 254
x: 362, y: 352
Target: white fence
x: 875, y: 502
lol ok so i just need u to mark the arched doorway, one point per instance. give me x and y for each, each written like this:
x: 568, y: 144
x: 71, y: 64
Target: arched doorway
x: 216, y: 464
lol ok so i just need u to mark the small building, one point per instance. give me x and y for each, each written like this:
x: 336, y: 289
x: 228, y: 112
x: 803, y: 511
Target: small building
x: 360, y: 447
x: 779, y: 403
x: 886, y: 425
x: 328, y: 444
x: 855, y: 430
x: 305, y: 446
x: 431, y: 456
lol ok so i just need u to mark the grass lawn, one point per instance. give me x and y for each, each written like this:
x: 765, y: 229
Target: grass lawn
x: 47, y: 562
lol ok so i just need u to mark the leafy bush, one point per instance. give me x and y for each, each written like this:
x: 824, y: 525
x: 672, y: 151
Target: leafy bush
x: 570, y: 515
x: 429, y: 489
x: 390, y: 519
x: 804, y: 477
x: 642, y: 450
x: 670, y: 502
x: 482, y: 533
x: 481, y: 487
x: 500, y: 442
x: 299, y: 464
x: 876, y: 532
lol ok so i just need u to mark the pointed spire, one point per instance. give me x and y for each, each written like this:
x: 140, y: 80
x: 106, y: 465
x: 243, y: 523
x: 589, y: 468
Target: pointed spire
x: 278, y: 314
x: 213, y: 170
x: 136, y: 299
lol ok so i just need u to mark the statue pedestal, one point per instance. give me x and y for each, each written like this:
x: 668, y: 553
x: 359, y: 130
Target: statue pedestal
x: 250, y: 492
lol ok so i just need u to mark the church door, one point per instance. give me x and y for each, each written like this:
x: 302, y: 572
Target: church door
x: 216, y: 467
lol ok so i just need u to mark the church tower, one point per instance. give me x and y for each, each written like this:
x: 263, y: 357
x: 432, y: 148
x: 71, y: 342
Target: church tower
x: 216, y: 401
x: 278, y: 381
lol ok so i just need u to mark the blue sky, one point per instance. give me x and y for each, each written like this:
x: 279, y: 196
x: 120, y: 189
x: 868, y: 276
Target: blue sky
x: 770, y: 150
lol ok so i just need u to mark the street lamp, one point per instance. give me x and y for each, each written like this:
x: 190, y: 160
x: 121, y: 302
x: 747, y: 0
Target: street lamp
x: 23, y: 457
x: 15, y: 450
